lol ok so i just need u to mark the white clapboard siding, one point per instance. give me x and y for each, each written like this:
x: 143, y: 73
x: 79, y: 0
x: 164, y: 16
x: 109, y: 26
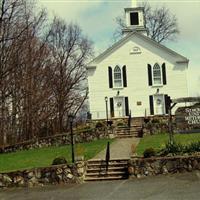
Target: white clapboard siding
x: 137, y: 76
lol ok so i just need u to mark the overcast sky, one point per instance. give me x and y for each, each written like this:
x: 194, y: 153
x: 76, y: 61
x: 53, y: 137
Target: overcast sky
x: 97, y: 20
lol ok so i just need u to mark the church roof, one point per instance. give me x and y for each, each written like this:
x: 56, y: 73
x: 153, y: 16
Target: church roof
x: 93, y: 63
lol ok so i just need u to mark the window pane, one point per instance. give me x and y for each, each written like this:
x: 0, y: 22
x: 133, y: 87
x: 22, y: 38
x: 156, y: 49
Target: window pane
x: 156, y: 74
x: 117, y: 77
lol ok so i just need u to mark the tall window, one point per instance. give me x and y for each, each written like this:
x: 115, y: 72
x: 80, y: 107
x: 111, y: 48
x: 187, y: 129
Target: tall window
x: 117, y: 77
x: 157, y: 74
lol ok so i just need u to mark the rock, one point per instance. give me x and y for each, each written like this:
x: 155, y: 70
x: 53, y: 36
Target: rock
x: 139, y: 176
x: 19, y: 180
x: 189, y: 167
x: 38, y: 174
x: 156, y: 164
x: 69, y: 176
x: 146, y: 173
x: 6, y: 179
x: 30, y: 175
x: 45, y: 180
x: 1, y: 184
x: 60, y: 177
x: 59, y: 171
x: 195, y: 164
x: 47, y: 174
x: 80, y: 171
x: 67, y: 171
x: 164, y: 170
x: 170, y: 165
x: 30, y: 184
x: 131, y: 170
x: 33, y: 181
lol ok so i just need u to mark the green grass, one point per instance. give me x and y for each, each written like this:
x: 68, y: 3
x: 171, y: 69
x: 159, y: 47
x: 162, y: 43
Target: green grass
x: 158, y: 141
x: 43, y: 157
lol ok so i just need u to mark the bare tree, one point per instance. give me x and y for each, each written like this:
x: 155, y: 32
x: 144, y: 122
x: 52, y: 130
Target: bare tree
x: 70, y: 50
x: 42, y: 72
x: 161, y: 24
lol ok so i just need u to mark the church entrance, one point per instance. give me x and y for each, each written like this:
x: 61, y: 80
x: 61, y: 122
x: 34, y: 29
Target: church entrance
x: 159, y: 104
x: 119, y: 107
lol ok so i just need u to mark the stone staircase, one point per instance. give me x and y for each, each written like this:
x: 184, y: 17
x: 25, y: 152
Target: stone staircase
x: 96, y: 170
x: 126, y: 132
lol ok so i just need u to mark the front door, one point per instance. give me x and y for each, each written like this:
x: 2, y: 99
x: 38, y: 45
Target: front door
x: 119, y: 106
x: 159, y: 104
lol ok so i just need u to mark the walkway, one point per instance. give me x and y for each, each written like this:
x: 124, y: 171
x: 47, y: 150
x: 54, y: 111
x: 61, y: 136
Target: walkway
x: 120, y: 148
x: 170, y: 187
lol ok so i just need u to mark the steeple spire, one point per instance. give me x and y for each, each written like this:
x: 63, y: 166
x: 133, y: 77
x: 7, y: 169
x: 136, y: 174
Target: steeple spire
x: 134, y: 3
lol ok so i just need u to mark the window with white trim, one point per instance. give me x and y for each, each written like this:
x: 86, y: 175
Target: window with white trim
x: 157, y: 78
x: 117, y: 77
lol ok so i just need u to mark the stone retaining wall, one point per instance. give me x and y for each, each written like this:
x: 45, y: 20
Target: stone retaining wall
x: 58, y: 174
x: 143, y: 167
x: 57, y: 140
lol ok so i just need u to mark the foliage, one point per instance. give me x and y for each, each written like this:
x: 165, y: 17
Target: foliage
x: 154, y: 121
x: 192, y: 147
x: 172, y: 148
x: 43, y: 73
x: 59, y: 161
x: 43, y: 157
x: 149, y: 152
x: 178, y: 149
x: 159, y: 141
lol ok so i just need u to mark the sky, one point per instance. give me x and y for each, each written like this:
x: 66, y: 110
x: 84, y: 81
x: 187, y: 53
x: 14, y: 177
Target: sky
x: 97, y: 20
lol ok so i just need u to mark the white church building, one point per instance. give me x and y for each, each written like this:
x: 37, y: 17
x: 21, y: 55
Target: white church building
x: 135, y: 75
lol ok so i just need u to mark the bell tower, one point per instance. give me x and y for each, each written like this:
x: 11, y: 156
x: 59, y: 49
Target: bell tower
x: 134, y: 19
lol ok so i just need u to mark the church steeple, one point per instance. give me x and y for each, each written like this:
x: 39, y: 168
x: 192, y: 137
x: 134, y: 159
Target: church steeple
x: 134, y: 19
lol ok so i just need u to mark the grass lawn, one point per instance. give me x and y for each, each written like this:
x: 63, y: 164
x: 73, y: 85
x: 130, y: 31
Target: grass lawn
x: 43, y: 157
x: 158, y: 141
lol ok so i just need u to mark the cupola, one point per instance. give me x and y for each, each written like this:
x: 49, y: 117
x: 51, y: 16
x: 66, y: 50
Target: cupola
x: 134, y: 19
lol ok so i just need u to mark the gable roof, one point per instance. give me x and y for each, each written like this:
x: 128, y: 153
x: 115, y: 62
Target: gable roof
x: 124, y: 39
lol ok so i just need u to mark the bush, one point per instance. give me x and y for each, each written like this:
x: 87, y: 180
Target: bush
x: 155, y: 121
x: 149, y: 153
x: 192, y: 147
x: 172, y: 148
x: 59, y: 161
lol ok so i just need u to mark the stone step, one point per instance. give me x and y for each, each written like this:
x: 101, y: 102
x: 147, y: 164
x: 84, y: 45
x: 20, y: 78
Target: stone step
x: 126, y: 131
x: 105, y: 173
x: 132, y: 128
x: 117, y: 160
x: 125, y: 136
x: 97, y: 169
x: 98, y: 165
x: 106, y: 178
x: 110, y: 169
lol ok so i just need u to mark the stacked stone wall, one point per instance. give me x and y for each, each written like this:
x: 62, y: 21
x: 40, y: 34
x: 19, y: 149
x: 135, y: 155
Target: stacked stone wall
x: 143, y: 167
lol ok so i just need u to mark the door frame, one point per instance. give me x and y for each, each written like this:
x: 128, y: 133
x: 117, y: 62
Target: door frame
x: 163, y: 104
x: 116, y: 114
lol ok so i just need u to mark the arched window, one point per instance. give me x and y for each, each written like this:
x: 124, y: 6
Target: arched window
x: 157, y: 74
x: 117, y: 77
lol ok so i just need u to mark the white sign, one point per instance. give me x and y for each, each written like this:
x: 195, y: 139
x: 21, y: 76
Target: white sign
x: 193, y: 115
